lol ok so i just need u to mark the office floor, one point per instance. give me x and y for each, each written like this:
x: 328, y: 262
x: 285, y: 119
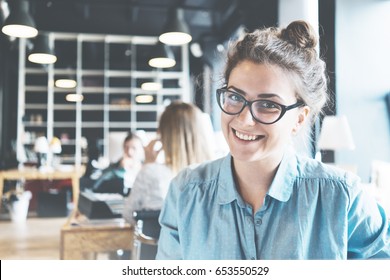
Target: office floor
x: 36, y: 239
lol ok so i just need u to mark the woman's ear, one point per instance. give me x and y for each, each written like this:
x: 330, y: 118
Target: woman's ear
x: 302, y: 118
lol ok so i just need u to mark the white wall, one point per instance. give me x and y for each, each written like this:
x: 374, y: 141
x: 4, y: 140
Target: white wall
x: 363, y: 78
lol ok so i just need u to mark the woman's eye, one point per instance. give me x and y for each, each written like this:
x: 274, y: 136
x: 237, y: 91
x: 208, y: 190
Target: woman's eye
x: 268, y: 105
x: 235, y: 97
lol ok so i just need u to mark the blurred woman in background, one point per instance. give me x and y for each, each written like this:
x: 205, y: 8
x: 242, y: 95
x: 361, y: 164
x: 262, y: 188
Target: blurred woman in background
x: 182, y: 142
x: 120, y: 176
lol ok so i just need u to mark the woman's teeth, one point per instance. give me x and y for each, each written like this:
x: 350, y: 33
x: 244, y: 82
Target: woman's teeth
x: 246, y: 137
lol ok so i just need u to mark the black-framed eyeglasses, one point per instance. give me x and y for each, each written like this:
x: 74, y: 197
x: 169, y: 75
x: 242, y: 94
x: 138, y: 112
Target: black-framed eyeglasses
x: 262, y: 110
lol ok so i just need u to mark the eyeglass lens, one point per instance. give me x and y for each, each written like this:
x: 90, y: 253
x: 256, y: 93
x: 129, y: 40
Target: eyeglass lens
x: 262, y: 110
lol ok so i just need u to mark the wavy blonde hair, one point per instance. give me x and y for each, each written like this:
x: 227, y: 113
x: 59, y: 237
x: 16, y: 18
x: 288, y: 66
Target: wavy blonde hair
x: 182, y: 136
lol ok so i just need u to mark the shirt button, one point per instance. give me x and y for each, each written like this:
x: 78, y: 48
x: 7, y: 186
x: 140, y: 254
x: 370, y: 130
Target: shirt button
x: 259, y: 222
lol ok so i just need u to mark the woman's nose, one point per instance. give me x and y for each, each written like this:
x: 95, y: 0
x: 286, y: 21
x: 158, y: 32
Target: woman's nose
x: 245, y: 116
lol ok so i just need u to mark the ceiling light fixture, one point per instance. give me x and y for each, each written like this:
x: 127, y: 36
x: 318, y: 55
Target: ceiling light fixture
x: 42, y: 52
x: 74, y: 97
x: 144, y: 98
x: 163, y: 57
x: 151, y: 86
x: 19, y: 23
x: 177, y: 31
x: 65, y: 83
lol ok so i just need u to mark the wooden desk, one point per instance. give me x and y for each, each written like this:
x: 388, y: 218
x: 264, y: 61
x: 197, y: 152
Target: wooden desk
x: 83, y: 240
x: 28, y: 173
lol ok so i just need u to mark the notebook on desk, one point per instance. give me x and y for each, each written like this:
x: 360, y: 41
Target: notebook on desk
x: 101, y: 205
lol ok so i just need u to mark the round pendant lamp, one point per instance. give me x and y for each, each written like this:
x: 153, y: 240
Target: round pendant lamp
x: 177, y: 32
x: 42, y: 52
x: 162, y: 57
x: 20, y: 23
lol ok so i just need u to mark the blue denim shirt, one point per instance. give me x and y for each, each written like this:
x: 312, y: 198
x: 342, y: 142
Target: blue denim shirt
x: 311, y: 211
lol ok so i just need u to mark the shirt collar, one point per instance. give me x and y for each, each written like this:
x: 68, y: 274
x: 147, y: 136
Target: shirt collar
x: 281, y: 187
x: 227, y: 191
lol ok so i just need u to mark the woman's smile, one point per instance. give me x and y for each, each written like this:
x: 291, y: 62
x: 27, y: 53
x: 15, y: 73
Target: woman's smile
x: 246, y: 136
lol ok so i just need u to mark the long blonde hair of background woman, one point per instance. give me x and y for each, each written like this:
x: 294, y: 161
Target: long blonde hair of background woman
x: 183, y: 136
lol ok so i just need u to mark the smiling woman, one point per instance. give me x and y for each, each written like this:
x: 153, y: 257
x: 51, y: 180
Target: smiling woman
x: 270, y: 141
x: 263, y: 200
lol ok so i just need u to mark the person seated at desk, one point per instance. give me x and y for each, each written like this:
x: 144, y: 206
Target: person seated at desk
x: 119, y: 177
x: 183, y: 142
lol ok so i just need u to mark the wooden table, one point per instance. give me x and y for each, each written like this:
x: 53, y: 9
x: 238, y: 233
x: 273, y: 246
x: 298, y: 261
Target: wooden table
x: 82, y: 240
x: 28, y: 173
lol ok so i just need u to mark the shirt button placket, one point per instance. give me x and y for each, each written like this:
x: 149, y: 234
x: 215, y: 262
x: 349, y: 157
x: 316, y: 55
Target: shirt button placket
x: 251, y: 249
x: 256, y: 222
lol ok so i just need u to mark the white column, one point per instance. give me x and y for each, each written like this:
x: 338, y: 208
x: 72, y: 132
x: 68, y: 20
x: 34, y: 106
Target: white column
x: 186, y: 95
x: 290, y: 10
x: 20, y: 153
x: 79, y: 123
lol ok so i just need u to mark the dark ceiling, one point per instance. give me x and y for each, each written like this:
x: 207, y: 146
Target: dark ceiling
x: 211, y: 22
x: 206, y: 18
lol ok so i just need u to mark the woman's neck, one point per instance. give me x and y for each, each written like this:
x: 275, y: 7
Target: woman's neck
x: 254, y: 179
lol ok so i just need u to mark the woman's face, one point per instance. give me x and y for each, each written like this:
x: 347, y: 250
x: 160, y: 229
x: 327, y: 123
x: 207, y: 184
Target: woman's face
x: 133, y: 149
x: 248, y: 139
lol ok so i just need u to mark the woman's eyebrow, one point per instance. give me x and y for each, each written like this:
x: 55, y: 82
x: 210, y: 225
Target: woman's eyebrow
x: 236, y: 90
x: 260, y: 95
x: 269, y: 95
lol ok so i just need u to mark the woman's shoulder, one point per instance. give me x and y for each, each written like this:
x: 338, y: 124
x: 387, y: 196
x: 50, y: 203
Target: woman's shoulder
x: 309, y: 168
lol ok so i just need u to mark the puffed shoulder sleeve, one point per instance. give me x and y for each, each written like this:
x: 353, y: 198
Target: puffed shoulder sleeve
x: 368, y: 226
x: 169, y: 241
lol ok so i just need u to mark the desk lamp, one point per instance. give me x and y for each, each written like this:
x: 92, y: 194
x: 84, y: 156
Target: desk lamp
x: 335, y: 135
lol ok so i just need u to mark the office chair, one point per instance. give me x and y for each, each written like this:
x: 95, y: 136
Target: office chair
x: 146, y: 234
